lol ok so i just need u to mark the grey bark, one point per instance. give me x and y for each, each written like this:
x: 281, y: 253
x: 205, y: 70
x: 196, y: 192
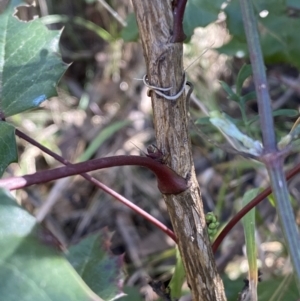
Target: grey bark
x: 165, y: 69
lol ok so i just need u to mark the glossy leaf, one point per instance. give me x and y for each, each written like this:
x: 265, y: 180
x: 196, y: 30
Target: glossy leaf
x: 97, y: 266
x: 31, y: 268
x: 30, y: 65
x: 8, y: 147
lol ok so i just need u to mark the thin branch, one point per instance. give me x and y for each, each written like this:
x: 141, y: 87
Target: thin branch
x: 259, y: 76
x: 102, y: 186
x: 169, y: 182
x: 178, y: 14
x: 113, y: 13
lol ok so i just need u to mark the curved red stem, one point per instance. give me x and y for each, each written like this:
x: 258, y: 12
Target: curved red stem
x: 102, y: 186
x: 248, y: 207
x: 168, y: 181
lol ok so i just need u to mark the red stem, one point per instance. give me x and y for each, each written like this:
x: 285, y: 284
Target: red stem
x: 168, y: 181
x: 248, y: 207
x: 102, y: 186
x: 178, y: 14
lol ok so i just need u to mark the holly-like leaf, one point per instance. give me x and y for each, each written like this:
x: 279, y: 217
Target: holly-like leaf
x: 8, y: 147
x: 30, y: 63
x: 98, y: 267
x: 31, y: 268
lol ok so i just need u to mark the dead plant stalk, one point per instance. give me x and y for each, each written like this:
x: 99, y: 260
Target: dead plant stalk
x: 165, y: 69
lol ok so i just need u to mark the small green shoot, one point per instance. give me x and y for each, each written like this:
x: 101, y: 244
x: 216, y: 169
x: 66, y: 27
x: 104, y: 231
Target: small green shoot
x: 249, y: 230
x: 175, y: 285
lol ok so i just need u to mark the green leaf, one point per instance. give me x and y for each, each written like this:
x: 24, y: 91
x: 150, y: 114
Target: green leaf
x: 235, y: 47
x: 281, y: 112
x: 293, y: 3
x: 30, y: 267
x: 279, y: 39
x: 8, y: 147
x: 130, y: 32
x: 279, y: 289
x: 241, y: 141
x: 285, y: 112
x: 203, y: 121
x: 132, y: 294
x: 231, y: 95
x: 178, y: 278
x: 249, y: 230
x: 102, y: 33
x: 100, y: 270
x: 30, y: 65
x: 244, y: 73
x: 200, y: 13
x: 249, y: 96
x: 101, y: 137
x: 234, y: 20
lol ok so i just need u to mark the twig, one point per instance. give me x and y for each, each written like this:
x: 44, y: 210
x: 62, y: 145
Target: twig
x: 43, y: 8
x: 51, y: 200
x: 259, y: 76
x: 178, y: 14
x: 102, y: 186
x: 169, y: 182
x: 113, y: 13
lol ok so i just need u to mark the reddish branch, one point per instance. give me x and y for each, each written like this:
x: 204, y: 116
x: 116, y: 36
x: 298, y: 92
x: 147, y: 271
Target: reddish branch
x: 12, y: 183
x: 102, y: 186
x: 248, y: 207
x: 168, y: 181
x: 178, y: 14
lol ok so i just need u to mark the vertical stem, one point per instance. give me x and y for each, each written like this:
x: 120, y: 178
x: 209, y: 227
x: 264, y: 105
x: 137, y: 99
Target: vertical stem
x: 286, y: 214
x: 259, y: 76
x: 165, y: 69
x: 272, y: 157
